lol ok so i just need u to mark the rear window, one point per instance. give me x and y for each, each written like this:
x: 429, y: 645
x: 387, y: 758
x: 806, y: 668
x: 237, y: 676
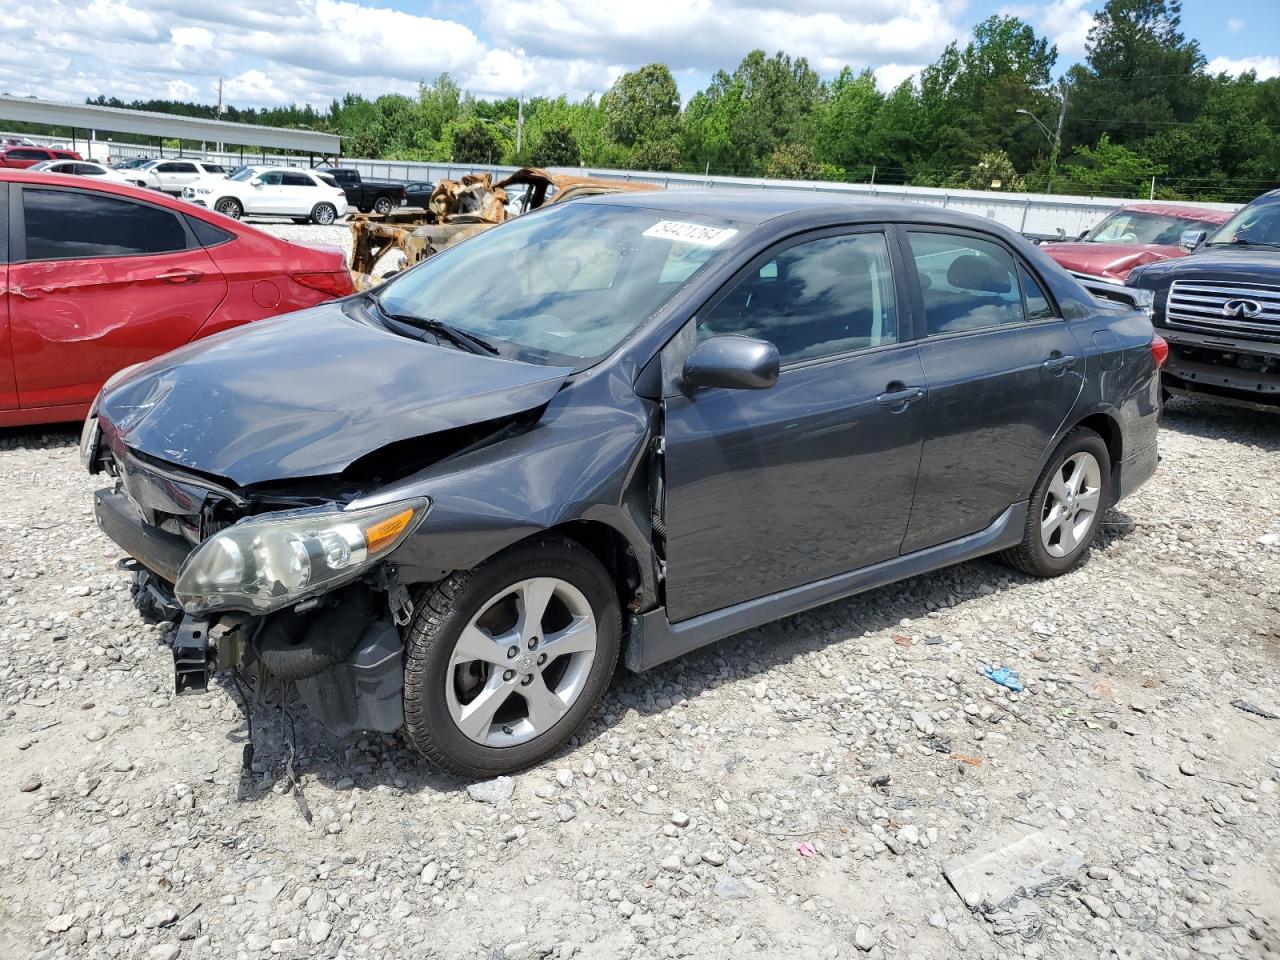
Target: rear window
x: 25, y: 153
x: 77, y: 224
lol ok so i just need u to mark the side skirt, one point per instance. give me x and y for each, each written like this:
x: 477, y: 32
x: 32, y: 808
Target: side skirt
x: 654, y: 640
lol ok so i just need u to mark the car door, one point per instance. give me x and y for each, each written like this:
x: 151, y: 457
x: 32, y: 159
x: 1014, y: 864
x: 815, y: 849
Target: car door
x: 297, y: 193
x: 176, y: 174
x: 769, y: 489
x: 8, y: 383
x: 1003, y: 370
x: 98, y: 283
x: 264, y: 195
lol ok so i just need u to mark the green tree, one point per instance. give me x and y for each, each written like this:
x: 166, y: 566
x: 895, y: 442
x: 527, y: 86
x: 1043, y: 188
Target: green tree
x: 794, y: 161
x: 846, y: 124
x: 475, y: 142
x: 1108, y: 169
x: 994, y: 171
x: 742, y: 117
x: 1141, y: 74
x: 643, y: 105
x: 557, y: 147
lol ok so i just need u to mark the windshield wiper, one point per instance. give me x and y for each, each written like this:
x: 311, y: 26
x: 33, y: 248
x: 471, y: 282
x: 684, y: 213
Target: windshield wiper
x: 1243, y: 242
x: 459, y: 338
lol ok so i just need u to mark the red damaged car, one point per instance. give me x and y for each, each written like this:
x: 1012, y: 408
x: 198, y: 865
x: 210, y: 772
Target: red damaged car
x: 95, y: 277
x: 1133, y: 235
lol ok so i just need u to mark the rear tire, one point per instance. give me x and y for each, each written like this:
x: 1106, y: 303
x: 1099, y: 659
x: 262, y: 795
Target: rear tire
x: 229, y: 207
x: 383, y: 205
x: 324, y: 214
x: 1066, y: 507
x: 485, y: 692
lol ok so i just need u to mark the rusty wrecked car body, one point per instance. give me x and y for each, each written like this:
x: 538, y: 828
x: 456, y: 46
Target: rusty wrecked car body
x: 461, y: 208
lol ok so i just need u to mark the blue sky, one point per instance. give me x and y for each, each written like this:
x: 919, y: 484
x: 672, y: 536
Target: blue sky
x: 314, y: 50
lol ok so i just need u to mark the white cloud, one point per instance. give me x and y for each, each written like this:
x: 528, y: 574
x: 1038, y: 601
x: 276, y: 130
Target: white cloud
x: 1264, y: 67
x: 1065, y: 22
x: 711, y: 34
x: 890, y: 76
x: 1235, y: 24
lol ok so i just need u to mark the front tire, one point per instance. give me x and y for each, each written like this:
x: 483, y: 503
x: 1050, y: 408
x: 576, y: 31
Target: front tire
x: 504, y: 662
x: 230, y: 207
x: 1066, y: 507
x: 324, y: 214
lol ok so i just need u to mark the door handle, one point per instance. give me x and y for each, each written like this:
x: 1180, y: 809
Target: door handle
x: 180, y: 276
x: 1057, y: 362
x: 900, y: 396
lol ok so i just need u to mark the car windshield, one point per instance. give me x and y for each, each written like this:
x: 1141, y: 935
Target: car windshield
x: 244, y: 173
x: 576, y: 280
x: 1256, y: 223
x: 1133, y: 226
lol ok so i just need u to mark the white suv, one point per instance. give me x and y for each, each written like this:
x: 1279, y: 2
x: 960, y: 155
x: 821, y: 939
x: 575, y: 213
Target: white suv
x: 171, y: 176
x: 271, y: 191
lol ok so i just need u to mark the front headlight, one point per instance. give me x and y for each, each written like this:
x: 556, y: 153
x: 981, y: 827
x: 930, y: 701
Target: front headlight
x: 89, y: 439
x: 264, y: 563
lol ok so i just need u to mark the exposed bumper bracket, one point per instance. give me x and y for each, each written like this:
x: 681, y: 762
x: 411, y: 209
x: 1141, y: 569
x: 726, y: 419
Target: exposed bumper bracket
x: 191, y: 666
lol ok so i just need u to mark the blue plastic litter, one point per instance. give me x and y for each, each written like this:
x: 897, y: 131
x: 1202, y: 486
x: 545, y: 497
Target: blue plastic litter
x: 1005, y: 677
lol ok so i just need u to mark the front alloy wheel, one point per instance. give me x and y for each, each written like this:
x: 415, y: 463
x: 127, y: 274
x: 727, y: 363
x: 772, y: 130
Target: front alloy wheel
x: 521, y: 662
x: 504, y: 662
x: 230, y: 207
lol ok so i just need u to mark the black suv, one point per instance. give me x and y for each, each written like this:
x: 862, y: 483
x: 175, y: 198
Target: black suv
x: 451, y: 505
x: 1219, y: 309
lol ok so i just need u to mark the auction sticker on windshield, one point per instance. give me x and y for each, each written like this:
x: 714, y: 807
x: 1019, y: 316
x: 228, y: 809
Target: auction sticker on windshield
x: 695, y: 233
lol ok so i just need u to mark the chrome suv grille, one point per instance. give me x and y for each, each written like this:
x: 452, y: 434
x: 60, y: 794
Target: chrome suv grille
x: 1225, y: 306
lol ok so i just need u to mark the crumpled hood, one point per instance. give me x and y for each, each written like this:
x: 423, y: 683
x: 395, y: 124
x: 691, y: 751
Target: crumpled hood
x: 306, y: 394
x: 1110, y: 260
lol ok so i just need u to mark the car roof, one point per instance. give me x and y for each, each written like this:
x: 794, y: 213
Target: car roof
x: 760, y: 206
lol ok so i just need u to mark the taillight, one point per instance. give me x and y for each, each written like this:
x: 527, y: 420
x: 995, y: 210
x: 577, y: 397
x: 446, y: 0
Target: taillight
x: 1159, y: 350
x: 334, y: 284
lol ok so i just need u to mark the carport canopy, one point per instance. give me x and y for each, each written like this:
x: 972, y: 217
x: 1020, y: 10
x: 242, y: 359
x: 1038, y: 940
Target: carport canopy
x: 117, y: 120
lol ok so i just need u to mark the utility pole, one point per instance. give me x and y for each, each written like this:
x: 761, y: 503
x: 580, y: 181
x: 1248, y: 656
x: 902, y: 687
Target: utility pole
x: 1057, y: 137
x: 221, y: 108
x: 519, y: 123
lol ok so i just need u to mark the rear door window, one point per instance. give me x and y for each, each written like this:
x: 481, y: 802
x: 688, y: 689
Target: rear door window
x: 294, y: 179
x: 77, y: 224
x: 967, y: 283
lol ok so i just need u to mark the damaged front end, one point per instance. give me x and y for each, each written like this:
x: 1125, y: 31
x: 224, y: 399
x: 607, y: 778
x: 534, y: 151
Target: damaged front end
x: 282, y: 589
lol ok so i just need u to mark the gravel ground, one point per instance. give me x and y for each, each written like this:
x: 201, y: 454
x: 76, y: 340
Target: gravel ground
x: 795, y: 791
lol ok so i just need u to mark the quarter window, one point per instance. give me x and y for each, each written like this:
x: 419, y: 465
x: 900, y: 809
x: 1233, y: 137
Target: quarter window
x: 966, y: 283
x: 815, y: 299
x: 1038, y: 305
x: 75, y: 224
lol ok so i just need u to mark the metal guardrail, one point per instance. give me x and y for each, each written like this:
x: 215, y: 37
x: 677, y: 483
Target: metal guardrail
x: 1033, y: 213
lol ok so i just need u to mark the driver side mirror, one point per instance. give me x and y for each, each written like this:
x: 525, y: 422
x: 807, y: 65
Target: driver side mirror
x: 1082, y: 234
x: 737, y: 363
x: 1191, y: 239
x: 255, y: 181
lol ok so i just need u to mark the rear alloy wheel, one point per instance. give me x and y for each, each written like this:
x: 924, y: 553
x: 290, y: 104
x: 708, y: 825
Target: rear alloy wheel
x: 382, y: 205
x: 1066, y: 507
x: 230, y: 207
x: 324, y: 214
x: 504, y: 662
